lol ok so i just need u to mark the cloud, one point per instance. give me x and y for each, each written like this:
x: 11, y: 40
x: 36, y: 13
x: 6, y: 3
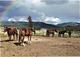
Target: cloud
x: 49, y: 20
x: 68, y: 10
x: 55, y: 1
x: 5, y: 0
x: 39, y: 10
x: 52, y: 20
x: 23, y: 20
x: 18, y: 19
x: 36, y: 2
x: 4, y: 5
x: 74, y: 1
x: 2, y: 9
x: 29, y: 3
x: 11, y: 19
x: 22, y: 11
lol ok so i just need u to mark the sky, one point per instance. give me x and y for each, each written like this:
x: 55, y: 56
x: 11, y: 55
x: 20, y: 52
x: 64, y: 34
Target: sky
x: 48, y: 11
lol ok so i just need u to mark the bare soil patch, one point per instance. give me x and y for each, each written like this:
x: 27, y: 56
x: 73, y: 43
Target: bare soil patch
x: 41, y: 46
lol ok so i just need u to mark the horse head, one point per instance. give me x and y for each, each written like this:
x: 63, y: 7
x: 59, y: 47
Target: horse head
x: 33, y: 30
x: 5, y: 29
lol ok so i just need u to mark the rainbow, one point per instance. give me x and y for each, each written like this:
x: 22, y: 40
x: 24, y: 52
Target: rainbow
x: 8, y: 7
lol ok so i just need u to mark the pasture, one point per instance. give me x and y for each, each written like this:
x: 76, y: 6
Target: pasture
x: 41, y: 45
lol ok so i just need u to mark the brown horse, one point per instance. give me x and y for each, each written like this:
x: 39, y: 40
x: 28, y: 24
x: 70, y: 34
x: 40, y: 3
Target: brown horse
x: 50, y: 31
x: 25, y: 32
x: 11, y: 32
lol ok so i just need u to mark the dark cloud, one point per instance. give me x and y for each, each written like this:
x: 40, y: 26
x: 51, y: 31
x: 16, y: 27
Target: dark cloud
x: 4, y: 5
x: 2, y: 9
x: 67, y: 11
x: 22, y: 11
x: 55, y: 1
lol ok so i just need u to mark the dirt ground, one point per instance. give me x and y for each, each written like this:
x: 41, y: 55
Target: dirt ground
x: 41, y: 46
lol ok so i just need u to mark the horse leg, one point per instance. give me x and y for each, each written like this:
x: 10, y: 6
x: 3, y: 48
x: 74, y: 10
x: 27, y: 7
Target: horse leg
x: 63, y: 34
x: 9, y: 37
x: 59, y: 35
x: 53, y: 35
x: 29, y: 39
x: 23, y: 39
x: 14, y: 36
x: 69, y: 34
x: 20, y: 38
x: 47, y: 34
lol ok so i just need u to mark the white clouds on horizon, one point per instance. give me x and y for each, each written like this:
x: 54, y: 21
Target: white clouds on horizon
x: 23, y: 20
x: 48, y: 20
x: 18, y: 19
x: 11, y: 19
x: 52, y: 20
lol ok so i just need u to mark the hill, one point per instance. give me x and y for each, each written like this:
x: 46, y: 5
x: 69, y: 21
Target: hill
x: 39, y: 25
x: 68, y: 24
x: 36, y: 25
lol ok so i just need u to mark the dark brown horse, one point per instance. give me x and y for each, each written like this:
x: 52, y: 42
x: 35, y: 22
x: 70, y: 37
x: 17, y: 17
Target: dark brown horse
x: 11, y: 32
x: 62, y: 33
x: 50, y: 31
x: 25, y: 32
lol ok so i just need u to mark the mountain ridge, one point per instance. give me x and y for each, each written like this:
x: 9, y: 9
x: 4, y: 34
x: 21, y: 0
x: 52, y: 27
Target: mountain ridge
x: 39, y: 24
x: 25, y: 24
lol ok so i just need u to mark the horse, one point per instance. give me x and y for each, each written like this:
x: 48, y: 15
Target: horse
x: 25, y: 32
x: 62, y: 32
x: 69, y: 33
x: 50, y: 31
x: 11, y: 32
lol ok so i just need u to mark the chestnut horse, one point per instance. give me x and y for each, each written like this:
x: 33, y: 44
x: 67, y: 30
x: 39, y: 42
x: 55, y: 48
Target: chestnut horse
x: 11, y: 32
x: 50, y: 31
x: 25, y: 32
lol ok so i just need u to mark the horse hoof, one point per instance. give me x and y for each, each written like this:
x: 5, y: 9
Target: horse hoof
x: 29, y: 42
x: 22, y: 44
